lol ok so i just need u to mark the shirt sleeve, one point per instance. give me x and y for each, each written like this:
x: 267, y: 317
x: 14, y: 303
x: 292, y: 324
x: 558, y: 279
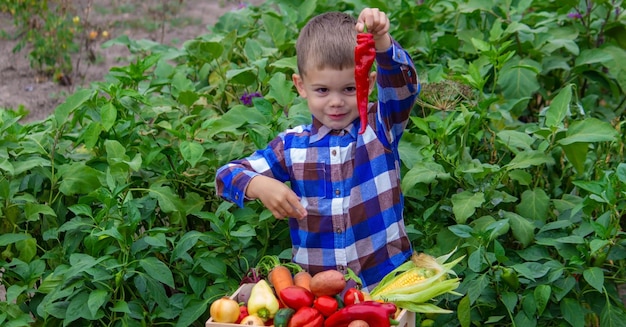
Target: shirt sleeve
x: 398, y: 87
x: 232, y: 179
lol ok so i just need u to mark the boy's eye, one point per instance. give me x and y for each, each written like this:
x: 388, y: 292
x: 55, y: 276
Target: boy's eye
x: 321, y: 90
x: 351, y: 89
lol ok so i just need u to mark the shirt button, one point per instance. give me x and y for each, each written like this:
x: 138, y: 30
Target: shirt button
x: 340, y: 268
x: 337, y: 192
x: 339, y: 231
x: 334, y: 152
x: 236, y: 196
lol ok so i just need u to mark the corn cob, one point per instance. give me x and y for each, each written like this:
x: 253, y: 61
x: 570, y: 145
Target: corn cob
x: 417, y: 281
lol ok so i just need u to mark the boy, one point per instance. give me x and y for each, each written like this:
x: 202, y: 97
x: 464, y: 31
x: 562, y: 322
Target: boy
x: 345, y: 204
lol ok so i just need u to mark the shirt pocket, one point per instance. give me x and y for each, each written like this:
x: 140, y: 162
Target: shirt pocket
x: 309, y: 180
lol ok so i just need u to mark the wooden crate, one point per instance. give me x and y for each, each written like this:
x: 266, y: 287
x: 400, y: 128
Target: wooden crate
x: 405, y: 318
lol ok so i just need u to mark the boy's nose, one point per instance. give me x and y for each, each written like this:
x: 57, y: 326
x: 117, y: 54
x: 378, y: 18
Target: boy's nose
x: 336, y: 100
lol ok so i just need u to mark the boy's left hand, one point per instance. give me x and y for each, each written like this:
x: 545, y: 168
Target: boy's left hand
x: 377, y: 23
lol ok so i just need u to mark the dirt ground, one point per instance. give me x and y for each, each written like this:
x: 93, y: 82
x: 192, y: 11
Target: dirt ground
x: 165, y: 21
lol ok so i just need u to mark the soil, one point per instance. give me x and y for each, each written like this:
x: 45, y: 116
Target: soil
x: 164, y: 21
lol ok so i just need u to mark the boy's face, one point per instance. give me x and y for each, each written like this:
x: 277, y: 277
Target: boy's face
x: 331, y: 95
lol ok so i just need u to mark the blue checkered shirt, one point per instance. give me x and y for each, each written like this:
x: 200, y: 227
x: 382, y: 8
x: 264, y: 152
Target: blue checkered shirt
x: 348, y: 183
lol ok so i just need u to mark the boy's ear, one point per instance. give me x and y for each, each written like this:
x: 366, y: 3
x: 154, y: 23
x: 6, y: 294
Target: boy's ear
x: 297, y: 81
x: 372, y: 80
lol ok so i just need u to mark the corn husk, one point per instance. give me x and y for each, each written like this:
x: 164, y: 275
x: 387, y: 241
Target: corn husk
x: 438, y: 279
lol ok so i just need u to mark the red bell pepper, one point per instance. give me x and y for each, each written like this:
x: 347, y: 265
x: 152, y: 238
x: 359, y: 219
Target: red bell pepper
x: 374, y: 313
x: 326, y: 305
x: 364, y: 56
x: 352, y: 296
x: 306, y: 317
x: 296, y: 297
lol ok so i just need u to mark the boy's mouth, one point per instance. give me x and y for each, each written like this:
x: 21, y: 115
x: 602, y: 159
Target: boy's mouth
x: 336, y: 116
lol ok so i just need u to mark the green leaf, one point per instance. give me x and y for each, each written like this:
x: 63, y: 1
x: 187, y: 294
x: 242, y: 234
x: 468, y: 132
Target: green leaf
x: 108, y: 115
x: 528, y: 159
x: 243, y: 76
x: 76, y: 308
x: 515, y: 140
x: 595, y: 277
x: 96, y: 299
x: 188, y: 97
x: 462, y: 231
x: 573, y: 312
x: 34, y: 210
x: 534, y: 205
x: 91, y: 135
x: 81, y: 210
x: 27, y: 249
x: 588, y: 131
x: 592, y: 56
x: 275, y: 28
x: 522, y: 228
x: 253, y: 50
x: 509, y: 299
x: 532, y: 270
x: 72, y: 102
x: 423, y: 172
x: 612, y: 316
x: 208, y: 50
x: 481, y: 45
x: 156, y: 269
x: 10, y: 238
x: 20, y: 167
x: 168, y: 200
x: 576, y: 154
x: 214, y: 266
x: 193, y: 310
x: 542, y: 297
x: 192, y: 152
x: 559, y: 108
x: 464, y: 205
x: 464, y: 312
x: 80, y: 179
x: 281, y: 90
x: 519, y: 80
x: 289, y: 63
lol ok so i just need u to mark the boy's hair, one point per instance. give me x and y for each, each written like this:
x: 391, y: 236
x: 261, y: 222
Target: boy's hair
x: 327, y: 41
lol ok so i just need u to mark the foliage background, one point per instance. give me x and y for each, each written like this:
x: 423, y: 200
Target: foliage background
x: 514, y: 155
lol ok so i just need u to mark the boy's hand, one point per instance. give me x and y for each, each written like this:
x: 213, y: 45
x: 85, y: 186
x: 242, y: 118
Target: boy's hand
x: 377, y: 23
x: 276, y: 196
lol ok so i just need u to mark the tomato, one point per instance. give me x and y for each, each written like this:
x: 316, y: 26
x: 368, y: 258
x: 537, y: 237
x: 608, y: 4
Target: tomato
x: 326, y: 305
x: 353, y: 296
x: 225, y: 310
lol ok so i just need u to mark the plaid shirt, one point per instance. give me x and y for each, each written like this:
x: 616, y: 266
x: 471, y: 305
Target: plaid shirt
x: 348, y: 183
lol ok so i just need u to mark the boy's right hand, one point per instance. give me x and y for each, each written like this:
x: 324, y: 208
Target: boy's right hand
x: 276, y: 196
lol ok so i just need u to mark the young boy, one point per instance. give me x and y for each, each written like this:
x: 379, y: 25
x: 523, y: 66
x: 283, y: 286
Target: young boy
x: 345, y: 205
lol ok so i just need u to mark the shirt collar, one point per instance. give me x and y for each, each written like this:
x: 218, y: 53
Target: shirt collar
x: 319, y: 130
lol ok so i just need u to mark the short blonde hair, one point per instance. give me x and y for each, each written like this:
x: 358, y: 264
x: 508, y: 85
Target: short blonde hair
x: 327, y: 41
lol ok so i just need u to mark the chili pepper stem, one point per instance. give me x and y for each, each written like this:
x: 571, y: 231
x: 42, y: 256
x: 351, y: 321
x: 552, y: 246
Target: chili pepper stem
x: 393, y: 322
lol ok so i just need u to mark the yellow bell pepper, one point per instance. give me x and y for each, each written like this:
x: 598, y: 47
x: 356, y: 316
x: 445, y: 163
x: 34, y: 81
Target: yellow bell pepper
x: 262, y: 302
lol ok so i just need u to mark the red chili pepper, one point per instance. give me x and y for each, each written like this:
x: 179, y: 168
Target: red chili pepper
x: 353, y: 296
x: 326, y: 305
x: 296, y: 297
x: 374, y: 313
x: 306, y: 317
x: 364, y: 55
x: 243, y: 312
